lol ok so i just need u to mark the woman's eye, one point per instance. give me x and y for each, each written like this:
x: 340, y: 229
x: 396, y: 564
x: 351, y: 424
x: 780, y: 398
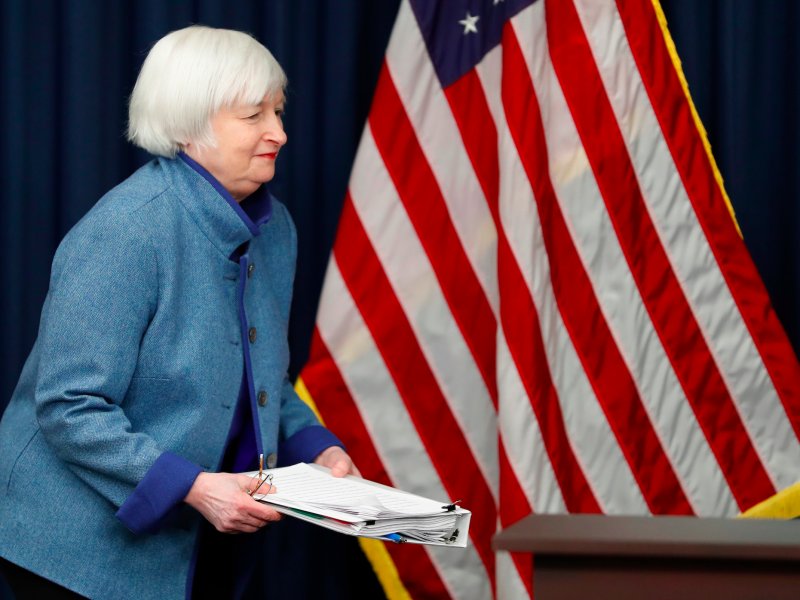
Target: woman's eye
x: 279, y: 112
x: 254, y: 116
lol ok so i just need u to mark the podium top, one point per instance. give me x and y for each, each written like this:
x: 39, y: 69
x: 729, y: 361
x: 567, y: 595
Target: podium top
x: 664, y: 536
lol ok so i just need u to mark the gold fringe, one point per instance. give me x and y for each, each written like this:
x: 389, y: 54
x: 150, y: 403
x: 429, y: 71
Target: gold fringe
x: 375, y: 551
x: 783, y: 505
x: 384, y: 568
x: 676, y: 61
x: 305, y: 396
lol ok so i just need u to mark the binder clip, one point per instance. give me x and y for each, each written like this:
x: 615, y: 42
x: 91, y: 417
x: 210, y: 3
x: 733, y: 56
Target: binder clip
x: 452, y: 506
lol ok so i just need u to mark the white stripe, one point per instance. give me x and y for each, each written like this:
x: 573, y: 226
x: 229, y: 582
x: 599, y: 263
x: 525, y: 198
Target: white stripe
x: 591, y: 438
x: 417, y: 289
x: 509, y: 583
x: 438, y: 135
x: 616, y: 291
x: 687, y: 248
x: 522, y: 438
x: 390, y: 428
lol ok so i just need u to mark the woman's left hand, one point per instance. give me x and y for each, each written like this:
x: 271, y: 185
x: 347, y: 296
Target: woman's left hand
x: 338, y: 461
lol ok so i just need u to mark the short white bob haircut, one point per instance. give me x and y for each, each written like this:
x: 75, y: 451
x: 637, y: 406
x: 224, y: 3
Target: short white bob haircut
x: 188, y: 76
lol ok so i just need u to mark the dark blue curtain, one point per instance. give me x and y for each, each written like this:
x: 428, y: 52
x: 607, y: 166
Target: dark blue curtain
x: 742, y: 60
x: 68, y: 67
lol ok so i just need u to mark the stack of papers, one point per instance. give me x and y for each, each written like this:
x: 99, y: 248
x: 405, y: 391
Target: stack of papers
x: 355, y: 506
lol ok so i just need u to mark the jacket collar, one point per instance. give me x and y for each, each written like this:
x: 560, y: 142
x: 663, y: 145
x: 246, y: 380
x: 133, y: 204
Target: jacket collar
x: 225, y: 222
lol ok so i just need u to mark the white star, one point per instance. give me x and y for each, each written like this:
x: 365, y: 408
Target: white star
x: 496, y: 2
x: 469, y: 24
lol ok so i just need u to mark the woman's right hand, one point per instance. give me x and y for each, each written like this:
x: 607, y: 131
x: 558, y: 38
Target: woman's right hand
x: 223, y: 499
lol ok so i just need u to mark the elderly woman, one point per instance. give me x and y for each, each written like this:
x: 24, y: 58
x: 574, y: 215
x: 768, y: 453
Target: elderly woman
x: 160, y: 368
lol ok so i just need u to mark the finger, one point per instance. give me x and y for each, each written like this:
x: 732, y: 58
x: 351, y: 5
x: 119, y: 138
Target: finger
x: 259, y: 488
x: 262, y: 512
x: 252, y: 522
x: 354, y: 470
x: 250, y: 484
x: 243, y: 480
x: 231, y: 528
x: 340, y: 468
x: 243, y: 521
x: 265, y: 489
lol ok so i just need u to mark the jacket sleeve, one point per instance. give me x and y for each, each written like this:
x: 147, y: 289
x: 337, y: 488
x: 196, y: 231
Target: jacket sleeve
x: 103, y: 293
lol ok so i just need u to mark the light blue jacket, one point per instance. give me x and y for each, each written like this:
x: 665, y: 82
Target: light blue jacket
x: 138, y: 360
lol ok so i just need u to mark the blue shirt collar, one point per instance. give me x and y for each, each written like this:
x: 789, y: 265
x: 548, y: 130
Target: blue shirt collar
x: 254, y: 211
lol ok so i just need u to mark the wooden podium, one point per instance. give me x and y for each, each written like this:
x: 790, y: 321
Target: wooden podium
x: 621, y: 558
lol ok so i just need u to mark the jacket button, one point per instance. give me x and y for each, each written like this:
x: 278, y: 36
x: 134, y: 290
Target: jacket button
x: 251, y: 333
x: 250, y: 268
x: 272, y: 460
x: 262, y: 398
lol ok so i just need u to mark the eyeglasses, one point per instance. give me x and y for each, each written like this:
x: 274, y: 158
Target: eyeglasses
x: 260, y: 479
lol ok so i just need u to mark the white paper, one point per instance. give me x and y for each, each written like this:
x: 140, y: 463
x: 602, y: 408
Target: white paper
x: 355, y: 506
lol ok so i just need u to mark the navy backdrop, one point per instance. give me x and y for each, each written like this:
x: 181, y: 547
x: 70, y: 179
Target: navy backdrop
x: 68, y: 67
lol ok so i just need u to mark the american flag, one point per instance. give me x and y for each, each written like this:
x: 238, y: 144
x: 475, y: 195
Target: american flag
x: 538, y: 299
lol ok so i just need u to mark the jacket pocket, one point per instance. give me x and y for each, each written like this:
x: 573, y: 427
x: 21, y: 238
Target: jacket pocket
x: 9, y: 464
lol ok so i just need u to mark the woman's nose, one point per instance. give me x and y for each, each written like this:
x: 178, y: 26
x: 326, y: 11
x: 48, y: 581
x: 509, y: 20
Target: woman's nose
x: 275, y: 133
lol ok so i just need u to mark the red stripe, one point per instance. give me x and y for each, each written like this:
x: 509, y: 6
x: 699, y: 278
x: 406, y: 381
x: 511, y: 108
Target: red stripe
x: 441, y: 435
x: 513, y: 507
x: 517, y: 311
x: 420, y: 194
x: 600, y: 357
x: 476, y: 124
x: 668, y: 309
x: 336, y: 405
x: 678, y: 127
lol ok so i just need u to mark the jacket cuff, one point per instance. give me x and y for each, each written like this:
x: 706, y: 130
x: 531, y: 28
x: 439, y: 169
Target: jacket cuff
x: 306, y: 445
x: 159, y: 493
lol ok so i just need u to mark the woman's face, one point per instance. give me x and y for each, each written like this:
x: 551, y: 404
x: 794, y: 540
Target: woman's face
x: 248, y: 140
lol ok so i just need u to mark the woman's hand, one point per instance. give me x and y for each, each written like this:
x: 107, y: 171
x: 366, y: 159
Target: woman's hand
x: 223, y: 499
x: 338, y: 461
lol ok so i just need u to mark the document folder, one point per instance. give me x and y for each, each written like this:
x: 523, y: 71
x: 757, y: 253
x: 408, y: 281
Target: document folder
x: 356, y: 506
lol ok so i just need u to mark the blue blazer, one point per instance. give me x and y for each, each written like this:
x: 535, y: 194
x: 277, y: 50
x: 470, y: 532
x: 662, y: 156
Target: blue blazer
x: 139, y: 358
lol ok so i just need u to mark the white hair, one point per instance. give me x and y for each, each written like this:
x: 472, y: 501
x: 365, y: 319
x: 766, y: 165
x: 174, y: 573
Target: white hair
x: 188, y: 76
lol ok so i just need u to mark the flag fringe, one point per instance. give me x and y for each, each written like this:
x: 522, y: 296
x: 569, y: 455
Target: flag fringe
x: 384, y: 568
x: 676, y: 61
x: 783, y: 505
x: 375, y: 551
x: 305, y: 396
